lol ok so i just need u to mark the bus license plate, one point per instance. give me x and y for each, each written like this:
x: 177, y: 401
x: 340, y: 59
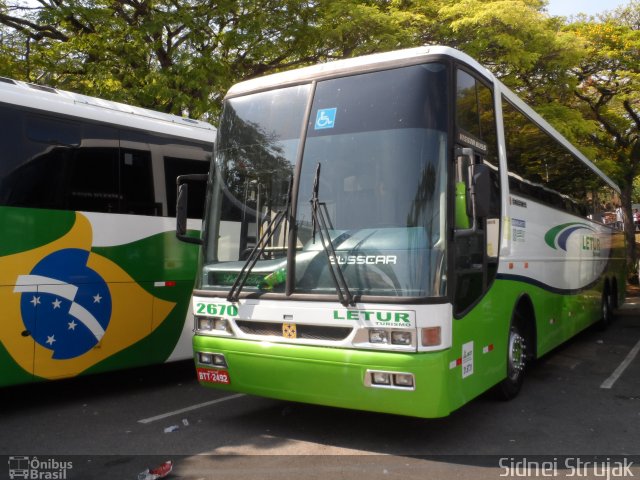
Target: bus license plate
x: 213, y: 376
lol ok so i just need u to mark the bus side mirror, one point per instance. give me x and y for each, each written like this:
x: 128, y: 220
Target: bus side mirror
x: 182, y: 204
x: 473, y: 193
x: 462, y: 206
x: 481, y: 190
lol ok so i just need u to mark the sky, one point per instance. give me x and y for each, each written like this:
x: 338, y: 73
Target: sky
x: 591, y: 7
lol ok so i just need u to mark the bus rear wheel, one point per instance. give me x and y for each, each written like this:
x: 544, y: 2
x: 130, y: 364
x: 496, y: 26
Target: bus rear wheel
x: 516, y: 362
x: 606, y: 309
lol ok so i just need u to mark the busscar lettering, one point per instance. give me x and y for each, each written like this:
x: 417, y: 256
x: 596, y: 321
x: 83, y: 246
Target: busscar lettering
x: 364, y: 259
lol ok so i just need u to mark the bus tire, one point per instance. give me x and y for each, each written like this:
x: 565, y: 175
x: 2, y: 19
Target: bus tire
x: 606, y: 309
x: 516, y: 359
x: 615, y: 303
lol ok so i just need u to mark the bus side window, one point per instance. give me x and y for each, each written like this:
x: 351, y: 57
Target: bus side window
x: 92, y: 171
x: 53, y: 131
x: 31, y: 172
x: 137, y: 183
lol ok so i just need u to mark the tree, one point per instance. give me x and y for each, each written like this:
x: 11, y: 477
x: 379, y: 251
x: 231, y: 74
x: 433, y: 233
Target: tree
x: 177, y: 57
x: 525, y: 48
x: 182, y: 56
x: 608, y: 93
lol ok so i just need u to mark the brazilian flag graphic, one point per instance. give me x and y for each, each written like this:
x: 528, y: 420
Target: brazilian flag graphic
x: 67, y: 308
x: 73, y: 301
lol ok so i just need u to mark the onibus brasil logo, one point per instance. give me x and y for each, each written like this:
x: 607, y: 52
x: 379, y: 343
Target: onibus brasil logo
x: 65, y: 305
x: 34, y: 468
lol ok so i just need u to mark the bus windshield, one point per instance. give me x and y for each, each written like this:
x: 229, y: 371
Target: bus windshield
x: 381, y: 187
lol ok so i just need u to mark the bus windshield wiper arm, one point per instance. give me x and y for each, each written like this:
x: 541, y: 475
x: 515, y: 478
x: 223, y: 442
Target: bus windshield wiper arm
x: 258, y: 249
x: 319, y: 224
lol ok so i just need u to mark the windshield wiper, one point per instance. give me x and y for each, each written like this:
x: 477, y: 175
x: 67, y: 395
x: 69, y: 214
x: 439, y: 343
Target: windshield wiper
x: 319, y: 224
x: 259, y: 248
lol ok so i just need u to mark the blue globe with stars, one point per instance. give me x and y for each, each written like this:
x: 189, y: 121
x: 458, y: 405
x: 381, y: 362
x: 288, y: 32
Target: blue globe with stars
x: 69, y: 306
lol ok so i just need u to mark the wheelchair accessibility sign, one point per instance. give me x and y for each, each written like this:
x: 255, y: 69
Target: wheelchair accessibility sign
x: 326, y: 118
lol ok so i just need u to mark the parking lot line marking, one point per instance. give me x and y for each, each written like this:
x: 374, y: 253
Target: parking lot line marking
x: 188, y: 409
x: 608, y: 383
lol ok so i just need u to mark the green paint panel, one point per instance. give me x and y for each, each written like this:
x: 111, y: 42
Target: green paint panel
x: 27, y: 228
x: 161, y: 257
x: 12, y: 373
x: 333, y: 377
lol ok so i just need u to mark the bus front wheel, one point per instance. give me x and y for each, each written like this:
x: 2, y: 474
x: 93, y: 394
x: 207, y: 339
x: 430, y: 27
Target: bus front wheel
x: 516, y: 361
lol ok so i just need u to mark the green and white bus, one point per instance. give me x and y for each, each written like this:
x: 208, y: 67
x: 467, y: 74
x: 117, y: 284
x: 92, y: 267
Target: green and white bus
x: 410, y: 234
x: 92, y: 277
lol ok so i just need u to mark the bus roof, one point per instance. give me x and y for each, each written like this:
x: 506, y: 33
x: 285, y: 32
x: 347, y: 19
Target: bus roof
x: 395, y: 59
x: 49, y: 99
x: 366, y: 63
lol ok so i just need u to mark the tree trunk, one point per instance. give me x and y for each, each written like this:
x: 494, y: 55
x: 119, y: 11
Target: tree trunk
x: 629, y: 227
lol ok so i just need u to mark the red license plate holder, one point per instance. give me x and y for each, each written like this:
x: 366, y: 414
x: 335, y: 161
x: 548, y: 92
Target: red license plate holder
x: 207, y: 375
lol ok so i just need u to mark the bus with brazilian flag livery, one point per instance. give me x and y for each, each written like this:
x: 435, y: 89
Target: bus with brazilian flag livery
x: 409, y: 234
x: 92, y: 277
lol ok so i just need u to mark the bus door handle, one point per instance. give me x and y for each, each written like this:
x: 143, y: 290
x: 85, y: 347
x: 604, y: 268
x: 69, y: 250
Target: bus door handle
x: 26, y: 333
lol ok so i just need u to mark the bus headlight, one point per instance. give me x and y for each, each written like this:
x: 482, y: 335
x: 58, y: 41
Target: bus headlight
x: 209, y: 324
x: 401, y: 338
x: 378, y: 336
x: 214, y: 359
x: 221, y: 324
x: 403, y: 380
x: 381, y: 378
x: 205, y: 358
x: 219, y: 360
x: 392, y: 380
x: 204, y: 324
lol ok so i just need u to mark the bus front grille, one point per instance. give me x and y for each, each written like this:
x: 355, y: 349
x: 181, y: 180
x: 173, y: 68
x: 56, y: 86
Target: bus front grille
x: 307, y: 332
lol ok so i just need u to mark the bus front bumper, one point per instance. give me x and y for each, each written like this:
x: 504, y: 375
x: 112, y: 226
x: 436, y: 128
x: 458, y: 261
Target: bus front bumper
x: 328, y: 376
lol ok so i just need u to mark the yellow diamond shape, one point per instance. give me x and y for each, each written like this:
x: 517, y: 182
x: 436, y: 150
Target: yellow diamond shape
x: 289, y: 330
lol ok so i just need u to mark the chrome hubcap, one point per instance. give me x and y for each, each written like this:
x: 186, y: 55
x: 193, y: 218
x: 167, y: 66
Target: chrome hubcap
x: 517, y: 349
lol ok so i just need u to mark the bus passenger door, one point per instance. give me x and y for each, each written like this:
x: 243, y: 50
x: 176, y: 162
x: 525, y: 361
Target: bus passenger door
x: 477, y: 235
x: 471, y: 259
x: 476, y: 240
